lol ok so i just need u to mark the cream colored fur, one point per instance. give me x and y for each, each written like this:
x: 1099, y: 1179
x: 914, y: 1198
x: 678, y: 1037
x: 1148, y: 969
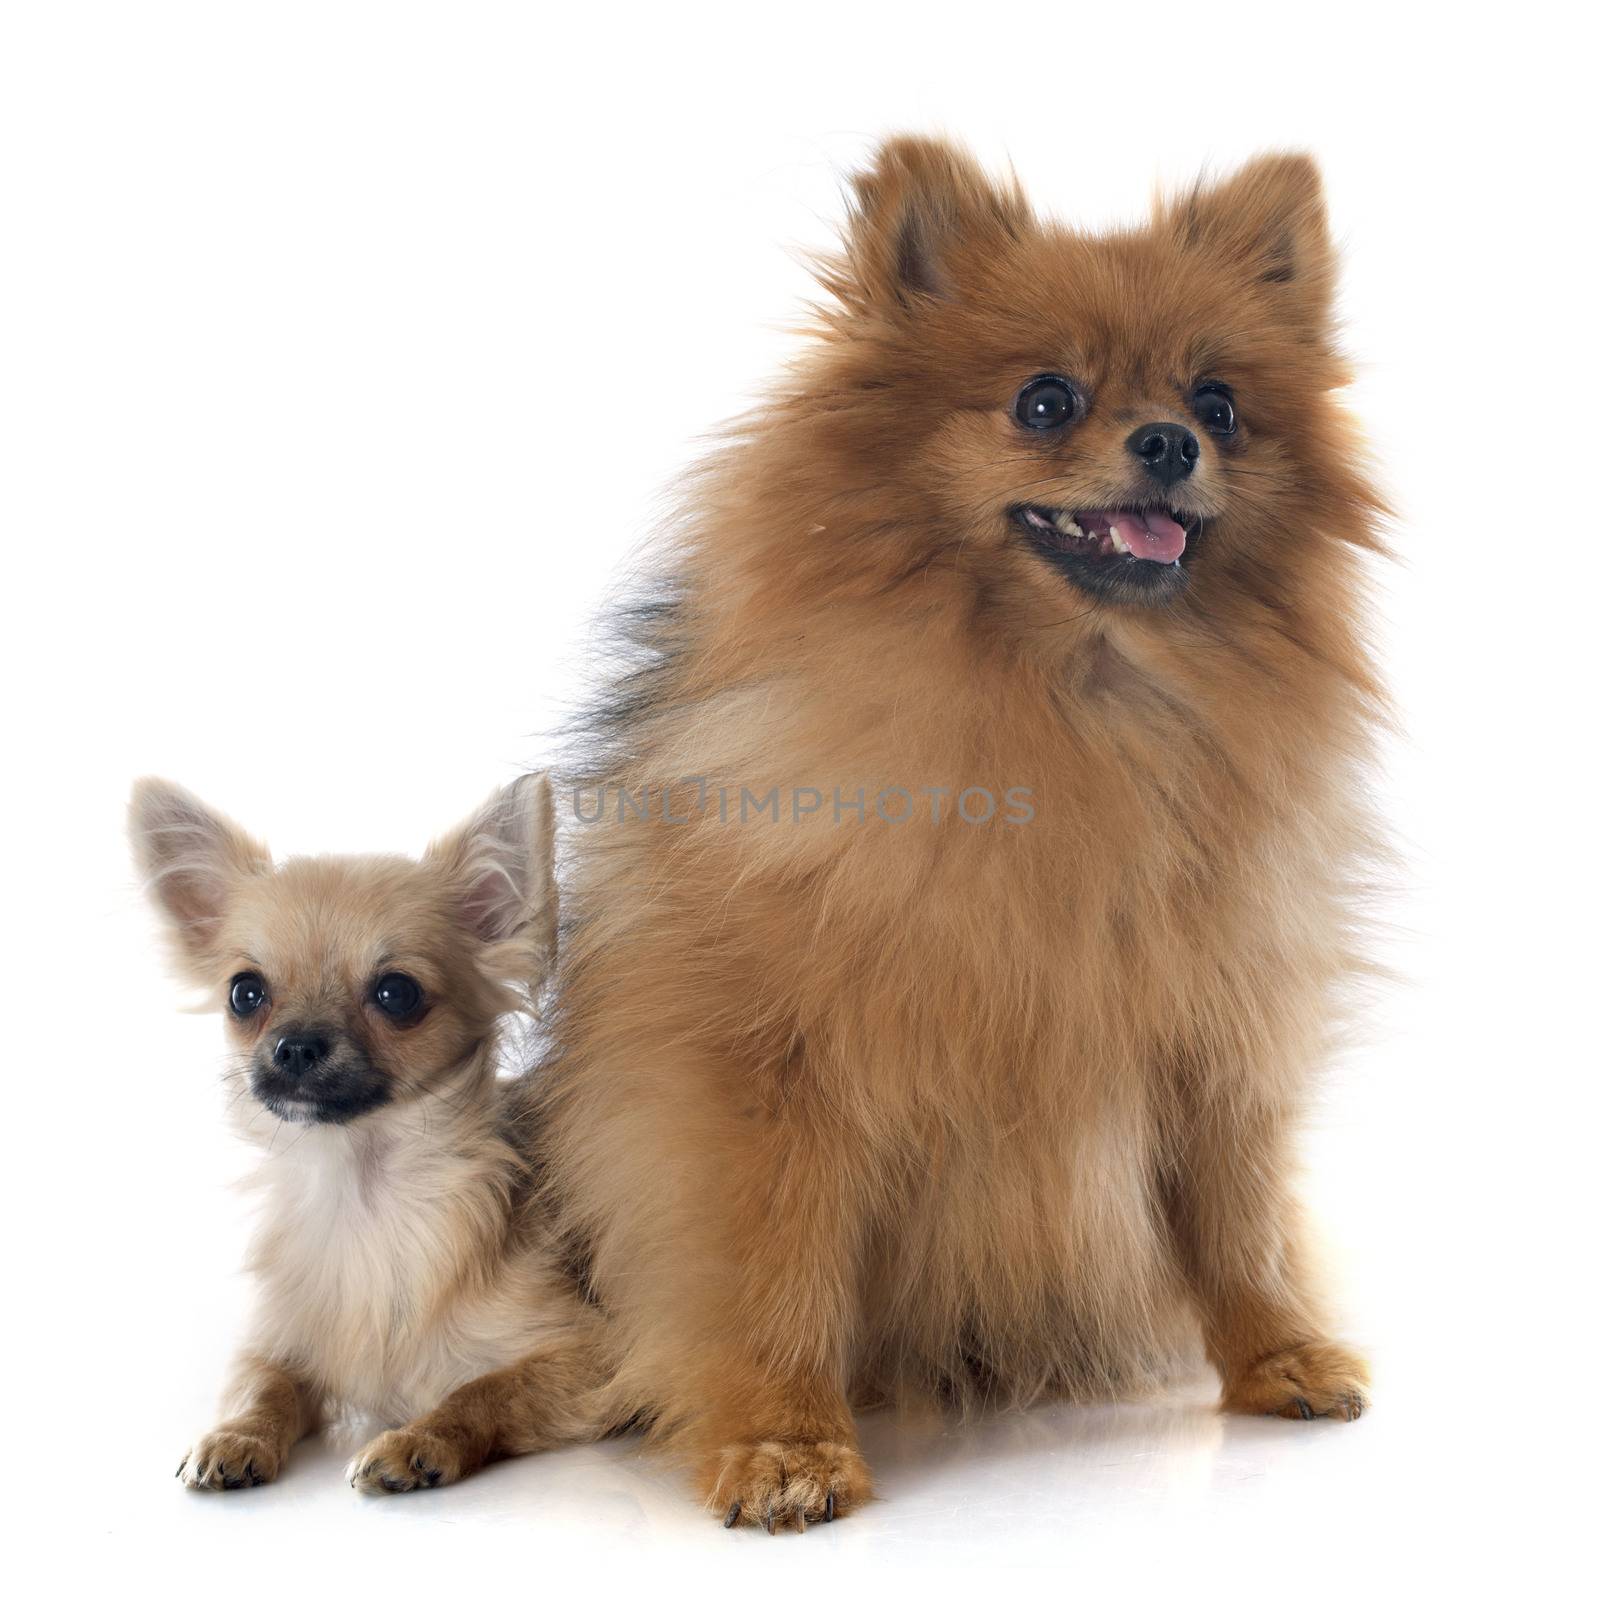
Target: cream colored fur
x: 404, y: 1267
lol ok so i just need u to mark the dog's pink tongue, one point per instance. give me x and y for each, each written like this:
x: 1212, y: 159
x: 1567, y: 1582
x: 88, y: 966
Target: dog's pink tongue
x: 1151, y: 535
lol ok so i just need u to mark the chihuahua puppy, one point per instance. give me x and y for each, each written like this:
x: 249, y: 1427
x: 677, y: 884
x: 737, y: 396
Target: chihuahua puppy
x: 404, y: 1266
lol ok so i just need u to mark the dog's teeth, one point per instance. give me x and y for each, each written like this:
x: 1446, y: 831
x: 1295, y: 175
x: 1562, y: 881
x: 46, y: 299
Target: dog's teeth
x: 1118, y: 543
x: 1069, y: 527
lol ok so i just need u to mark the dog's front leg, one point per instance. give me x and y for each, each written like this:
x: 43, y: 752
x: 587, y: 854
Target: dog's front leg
x: 1237, y: 1227
x: 732, y: 1281
x: 270, y: 1407
x: 761, y: 1343
x: 777, y: 1446
x: 553, y: 1396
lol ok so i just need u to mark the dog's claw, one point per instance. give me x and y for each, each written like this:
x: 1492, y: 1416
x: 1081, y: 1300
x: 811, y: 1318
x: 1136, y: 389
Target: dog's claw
x: 786, y: 1485
x: 1304, y: 1408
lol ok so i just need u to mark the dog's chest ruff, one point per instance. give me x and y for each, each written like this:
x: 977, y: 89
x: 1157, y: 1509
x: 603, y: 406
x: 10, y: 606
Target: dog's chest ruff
x: 383, y: 1273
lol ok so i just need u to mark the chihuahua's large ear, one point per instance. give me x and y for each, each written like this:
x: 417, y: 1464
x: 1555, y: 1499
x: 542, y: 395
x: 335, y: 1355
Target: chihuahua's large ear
x: 1269, y: 223
x: 916, y: 214
x: 190, y: 858
x: 501, y: 867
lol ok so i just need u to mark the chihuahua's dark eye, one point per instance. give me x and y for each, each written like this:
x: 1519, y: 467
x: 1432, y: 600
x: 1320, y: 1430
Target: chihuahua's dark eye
x: 247, y: 993
x: 396, y: 996
x: 1213, y: 405
x: 1045, y: 402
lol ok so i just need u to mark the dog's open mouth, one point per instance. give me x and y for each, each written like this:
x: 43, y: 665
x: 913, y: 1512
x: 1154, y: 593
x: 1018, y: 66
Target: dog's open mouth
x: 1116, y: 552
x: 1149, y: 533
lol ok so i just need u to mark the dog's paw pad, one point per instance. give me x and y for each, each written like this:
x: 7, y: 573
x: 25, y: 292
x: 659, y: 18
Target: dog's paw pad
x: 229, y: 1458
x: 402, y: 1460
x: 782, y: 1484
x: 1303, y: 1382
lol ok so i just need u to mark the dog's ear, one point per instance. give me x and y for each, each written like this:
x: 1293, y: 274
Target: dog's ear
x: 917, y: 214
x: 1269, y: 224
x: 191, y: 858
x: 500, y: 865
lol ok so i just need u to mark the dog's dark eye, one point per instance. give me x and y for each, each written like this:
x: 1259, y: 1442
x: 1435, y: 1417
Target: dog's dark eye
x: 396, y: 996
x: 247, y: 993
x: 1213, y: 405
x: 1045, y: 402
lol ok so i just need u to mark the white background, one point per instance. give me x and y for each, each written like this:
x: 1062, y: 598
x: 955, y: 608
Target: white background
x: 347, y: 353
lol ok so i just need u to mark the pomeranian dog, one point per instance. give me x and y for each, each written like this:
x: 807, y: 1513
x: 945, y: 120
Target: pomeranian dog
x: 404, y: 1267
x: 867, y: 1079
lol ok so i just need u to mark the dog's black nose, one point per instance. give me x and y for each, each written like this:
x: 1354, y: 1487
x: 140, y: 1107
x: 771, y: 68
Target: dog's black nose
x: 299, y: 1052
x: 1166, y: 450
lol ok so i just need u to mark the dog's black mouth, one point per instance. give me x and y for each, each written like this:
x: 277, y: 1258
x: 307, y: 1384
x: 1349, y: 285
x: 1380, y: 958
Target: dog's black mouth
x: 339, y: 1096
x: 1131, y: 553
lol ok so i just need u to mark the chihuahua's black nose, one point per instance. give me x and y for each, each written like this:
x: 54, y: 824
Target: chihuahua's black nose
x: 299, y: 1052
x: 1165, y: 450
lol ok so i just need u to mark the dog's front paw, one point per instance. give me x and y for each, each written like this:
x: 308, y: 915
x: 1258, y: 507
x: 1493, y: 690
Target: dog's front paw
x: 405, y: 1459
x: 783, y: 1483
x: 229, y: 1458
x: 1305, y: 1381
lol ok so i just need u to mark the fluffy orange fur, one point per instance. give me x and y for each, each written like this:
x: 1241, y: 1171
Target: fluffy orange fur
x: 840, y: 1107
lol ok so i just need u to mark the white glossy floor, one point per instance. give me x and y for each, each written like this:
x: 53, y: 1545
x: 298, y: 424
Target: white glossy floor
x: 1141, y: 1499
